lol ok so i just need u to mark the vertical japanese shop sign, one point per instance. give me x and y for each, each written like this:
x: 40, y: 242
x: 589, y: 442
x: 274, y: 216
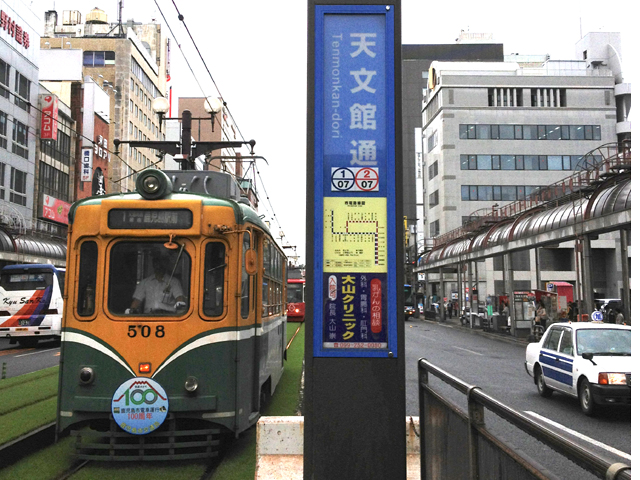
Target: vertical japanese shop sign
x: 354, y: 199
x: 86, y: 164
x: 49, y: 122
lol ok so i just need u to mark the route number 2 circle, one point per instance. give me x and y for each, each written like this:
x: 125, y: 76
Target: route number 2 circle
x: 342, y: 179
x: 367, y: 179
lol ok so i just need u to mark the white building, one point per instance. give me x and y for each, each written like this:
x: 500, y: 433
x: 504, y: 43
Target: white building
x: 495, y: 132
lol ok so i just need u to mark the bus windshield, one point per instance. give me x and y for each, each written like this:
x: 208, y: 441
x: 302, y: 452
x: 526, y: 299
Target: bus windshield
x: 33, y: 280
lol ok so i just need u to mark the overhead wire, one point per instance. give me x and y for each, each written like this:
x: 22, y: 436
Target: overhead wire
x: 181, y: 19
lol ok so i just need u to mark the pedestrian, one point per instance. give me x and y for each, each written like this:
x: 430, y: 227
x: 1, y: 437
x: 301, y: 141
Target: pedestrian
x: 569, y: 312
x: 619, y: 317
x: 541, y: 316
x: 450, y: 309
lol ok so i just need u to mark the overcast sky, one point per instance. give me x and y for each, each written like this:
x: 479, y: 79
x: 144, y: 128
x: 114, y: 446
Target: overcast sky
x: 256, y: 52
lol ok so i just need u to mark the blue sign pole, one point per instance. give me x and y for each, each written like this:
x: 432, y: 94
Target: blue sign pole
x: 354, y: 360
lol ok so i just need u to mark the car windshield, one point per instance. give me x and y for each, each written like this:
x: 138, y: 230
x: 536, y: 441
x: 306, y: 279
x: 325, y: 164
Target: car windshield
x: 599, y: 341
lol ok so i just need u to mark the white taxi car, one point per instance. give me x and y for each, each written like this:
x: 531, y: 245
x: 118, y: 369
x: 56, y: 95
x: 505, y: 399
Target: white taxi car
x: 587, y: 360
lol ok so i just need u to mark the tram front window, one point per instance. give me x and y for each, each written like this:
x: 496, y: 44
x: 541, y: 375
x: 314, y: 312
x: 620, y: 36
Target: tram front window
x: 294, y: 293
x: 148, y: 279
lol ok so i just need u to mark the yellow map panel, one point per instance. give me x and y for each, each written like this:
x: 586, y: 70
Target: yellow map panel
x: 355, y: 234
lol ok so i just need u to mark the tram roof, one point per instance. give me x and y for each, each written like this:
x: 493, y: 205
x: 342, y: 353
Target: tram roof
x: 244, y: 213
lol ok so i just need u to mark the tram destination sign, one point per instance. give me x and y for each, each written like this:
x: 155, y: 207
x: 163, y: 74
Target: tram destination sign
x: 354, y: 168
x: 147, y: 218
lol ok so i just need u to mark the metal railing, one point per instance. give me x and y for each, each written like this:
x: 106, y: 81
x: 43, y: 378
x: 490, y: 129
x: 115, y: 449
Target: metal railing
x: 456, y: 445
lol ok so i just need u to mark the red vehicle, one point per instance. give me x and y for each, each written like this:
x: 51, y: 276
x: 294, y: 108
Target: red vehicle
x: 295, y: 300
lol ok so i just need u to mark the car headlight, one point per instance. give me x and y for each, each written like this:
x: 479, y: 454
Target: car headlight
x: 612, y: 379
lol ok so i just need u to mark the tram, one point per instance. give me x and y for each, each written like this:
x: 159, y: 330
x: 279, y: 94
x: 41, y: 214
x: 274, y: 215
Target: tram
x: 174, y: 332
x: 295, y: 300
x: 31, y: 303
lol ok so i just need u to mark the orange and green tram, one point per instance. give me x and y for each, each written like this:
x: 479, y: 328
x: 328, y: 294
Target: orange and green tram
x: 174, y: 328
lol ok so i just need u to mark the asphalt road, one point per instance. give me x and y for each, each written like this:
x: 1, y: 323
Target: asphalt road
x: 17, y: 360
x: 495, y: 363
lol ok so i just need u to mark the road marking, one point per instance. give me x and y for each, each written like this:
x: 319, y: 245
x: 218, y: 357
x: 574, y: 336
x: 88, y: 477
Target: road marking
x: 470, y: 351
x: 14, y: 350
x: 34, y: 353
x: 581, y: 436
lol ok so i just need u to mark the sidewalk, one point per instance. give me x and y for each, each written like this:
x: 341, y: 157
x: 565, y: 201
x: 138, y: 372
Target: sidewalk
x: 455, y: 323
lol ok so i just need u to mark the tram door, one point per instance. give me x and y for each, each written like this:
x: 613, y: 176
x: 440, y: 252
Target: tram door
x: 249, y: 378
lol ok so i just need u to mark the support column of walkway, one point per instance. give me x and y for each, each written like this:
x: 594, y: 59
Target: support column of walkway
x: 626, y: 287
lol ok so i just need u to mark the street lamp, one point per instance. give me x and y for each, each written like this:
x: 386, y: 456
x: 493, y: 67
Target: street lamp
x: 213, y: 106
x: 160, y: 105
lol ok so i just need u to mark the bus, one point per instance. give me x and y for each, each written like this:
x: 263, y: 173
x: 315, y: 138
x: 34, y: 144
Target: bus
x: 295, y: 300
x: 31, y: 305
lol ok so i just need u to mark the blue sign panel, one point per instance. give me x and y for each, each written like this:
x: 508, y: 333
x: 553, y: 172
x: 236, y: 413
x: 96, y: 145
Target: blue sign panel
x: 355, y: 312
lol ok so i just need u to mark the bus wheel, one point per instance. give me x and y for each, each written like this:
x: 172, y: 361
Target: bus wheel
x: 28, y: 342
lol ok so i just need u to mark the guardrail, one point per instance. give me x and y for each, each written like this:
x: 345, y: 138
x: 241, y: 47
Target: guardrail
x: 455, y: 444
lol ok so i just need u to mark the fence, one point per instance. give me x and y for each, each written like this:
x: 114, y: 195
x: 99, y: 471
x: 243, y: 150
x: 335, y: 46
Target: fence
x: 457, y: 445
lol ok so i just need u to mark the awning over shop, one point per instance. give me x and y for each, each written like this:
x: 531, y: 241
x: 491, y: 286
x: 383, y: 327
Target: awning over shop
x: 31, y: 249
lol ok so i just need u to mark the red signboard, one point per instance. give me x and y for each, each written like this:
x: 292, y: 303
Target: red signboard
x: 56, y: 210
x: 49, y: 123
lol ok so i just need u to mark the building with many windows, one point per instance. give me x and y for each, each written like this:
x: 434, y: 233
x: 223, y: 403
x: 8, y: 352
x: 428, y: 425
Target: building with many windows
x: 34, y: 172
x: 494, y: 133
x: 129, y: 61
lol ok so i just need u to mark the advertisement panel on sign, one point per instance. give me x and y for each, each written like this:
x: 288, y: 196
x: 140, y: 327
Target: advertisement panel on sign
x: 354, y: 201
x: 56, y: 210
x: 49, y: 123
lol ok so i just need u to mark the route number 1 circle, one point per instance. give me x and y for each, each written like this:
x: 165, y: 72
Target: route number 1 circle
x: 342, y: 179
x: 367, y: 179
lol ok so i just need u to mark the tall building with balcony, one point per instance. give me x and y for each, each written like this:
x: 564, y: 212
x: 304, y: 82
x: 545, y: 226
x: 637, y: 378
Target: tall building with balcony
x: 494, y: 133
x: 129, y: 60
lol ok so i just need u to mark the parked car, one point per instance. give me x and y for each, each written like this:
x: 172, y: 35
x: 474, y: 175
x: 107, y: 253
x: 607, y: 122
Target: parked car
x: 590, y: 361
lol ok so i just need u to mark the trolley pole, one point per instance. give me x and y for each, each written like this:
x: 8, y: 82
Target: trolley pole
x: 354, y: 347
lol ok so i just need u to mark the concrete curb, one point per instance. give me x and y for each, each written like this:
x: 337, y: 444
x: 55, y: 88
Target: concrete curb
x: 280, y: 441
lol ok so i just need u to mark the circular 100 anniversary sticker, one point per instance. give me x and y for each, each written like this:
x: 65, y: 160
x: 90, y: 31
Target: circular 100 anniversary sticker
x: 139, y: 406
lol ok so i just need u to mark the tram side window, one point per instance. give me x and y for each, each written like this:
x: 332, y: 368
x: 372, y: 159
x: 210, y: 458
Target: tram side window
x: 272, y: 290
x: 214, y: 268
x: 86, y: 301
x: 244, y: 295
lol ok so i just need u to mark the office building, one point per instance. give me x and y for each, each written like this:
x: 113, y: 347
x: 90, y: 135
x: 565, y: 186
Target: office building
x: 494, y: 133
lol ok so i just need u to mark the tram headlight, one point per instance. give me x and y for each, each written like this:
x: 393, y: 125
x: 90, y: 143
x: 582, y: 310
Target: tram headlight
x: 153, y: 184
x: 87, y: 376
x: 191, y: 384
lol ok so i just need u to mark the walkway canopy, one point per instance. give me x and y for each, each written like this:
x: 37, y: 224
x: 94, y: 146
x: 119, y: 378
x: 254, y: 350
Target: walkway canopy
x: 607, y: 209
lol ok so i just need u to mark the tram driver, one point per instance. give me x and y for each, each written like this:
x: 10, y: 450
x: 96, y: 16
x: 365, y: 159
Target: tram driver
x: 159, y: 292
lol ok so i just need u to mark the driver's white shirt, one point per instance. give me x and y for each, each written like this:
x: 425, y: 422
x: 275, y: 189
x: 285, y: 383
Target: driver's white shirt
x: 151, y: 291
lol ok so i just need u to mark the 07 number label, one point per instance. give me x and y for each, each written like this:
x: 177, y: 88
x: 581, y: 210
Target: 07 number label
x: 145, y: 331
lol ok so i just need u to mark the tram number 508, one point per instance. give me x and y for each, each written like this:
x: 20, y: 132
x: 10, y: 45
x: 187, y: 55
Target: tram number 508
x: 145, y: 331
